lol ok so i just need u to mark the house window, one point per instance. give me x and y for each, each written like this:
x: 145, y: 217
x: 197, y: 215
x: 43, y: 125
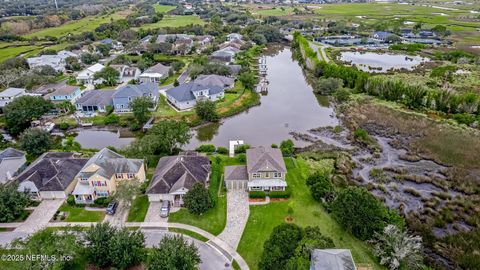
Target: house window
x: 277, y: 188
x: 256, y: 188
x: 130, y: 175
x: 256, y: 175
x: 277, y: 175
x: 102, y: 193
x: 83, y: 179
x: 119, y: 176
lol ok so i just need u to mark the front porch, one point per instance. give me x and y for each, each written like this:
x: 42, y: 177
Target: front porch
x: 84, y: 199
x: 267, y: 185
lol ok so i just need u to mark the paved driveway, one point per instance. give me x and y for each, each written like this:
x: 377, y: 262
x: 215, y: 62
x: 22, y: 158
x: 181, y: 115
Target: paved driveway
x: 237, y: 216
x: 42, y: 214
x: 211, y: 257
x: 120, y: 216
x: 153, y: 213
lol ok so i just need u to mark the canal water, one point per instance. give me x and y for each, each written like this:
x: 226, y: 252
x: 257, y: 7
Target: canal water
x: 382, y: 62
x: 100, y: 138
x: 289, y: 106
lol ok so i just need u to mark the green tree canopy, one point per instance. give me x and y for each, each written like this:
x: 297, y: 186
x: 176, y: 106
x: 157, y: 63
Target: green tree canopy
x: 23, y: 110
x: 198, y: 199
x: 141, y: 108
x: 174, y: 253
x: 287, y: 147
x: 108, y: 74
x: 320, y: 186
x: 12, y: 202
x: 35, y: 141
x: 248, y: 80
x: 205, y: 109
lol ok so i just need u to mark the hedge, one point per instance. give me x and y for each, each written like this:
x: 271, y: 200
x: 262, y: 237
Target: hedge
x: 257, y: 194
x: 280, y: 194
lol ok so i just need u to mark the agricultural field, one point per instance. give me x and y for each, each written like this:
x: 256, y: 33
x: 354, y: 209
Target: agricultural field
x: 174, y: 21
x: 163, y: 8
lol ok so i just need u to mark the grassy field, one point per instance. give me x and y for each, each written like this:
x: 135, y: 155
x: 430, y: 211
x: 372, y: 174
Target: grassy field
x: 307, y: 212
x: 6, y: 53
x: 139, y: 209
x: 213, y: 220
x: 173, y: 21
x: 163, y: 8
x: 276, y: 11
x: 79, y: 26
x: 79, y: 214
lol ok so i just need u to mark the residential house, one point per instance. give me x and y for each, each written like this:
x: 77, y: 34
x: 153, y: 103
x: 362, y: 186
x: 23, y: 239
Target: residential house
x: 204, y: 40
x: 56, y: 61
x: 175, y: 175
x: 223, y: 55
x: 215, y: 80
x: 331, y: 259
x: 63, y: 92
x: 100, y: 176
x: 265, y: 170
x: 125, y: 94
x: 234, y: 36
x: 185, y: 96
x: 11, y: 161
x: 95, y: 100
x: 155, y: 73
x: 236, y: 43
x: 171, y: 38
x: 126, y: 73
x: 234, y: 69
x: 86, y: 76
x: 182, y: 46
x: 115, y: 45
x: 51, y: 176
x: 381, y: 35
x: 9, y: 94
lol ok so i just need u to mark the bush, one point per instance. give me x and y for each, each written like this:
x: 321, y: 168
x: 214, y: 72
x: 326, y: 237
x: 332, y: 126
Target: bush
x: 242, y: 148
x: 63, y: 126
x: 257, y: 195
x: 206, y: 148
x: 103, y: 201
x: 464, y: 118
x: 241, y: 157
x: 111, y: 119
x: 198, y: 200
x: 274, y: 145
x: 280, y: 194
x: 71, y: 200
x: 222, y: 150
x: 287, y: 147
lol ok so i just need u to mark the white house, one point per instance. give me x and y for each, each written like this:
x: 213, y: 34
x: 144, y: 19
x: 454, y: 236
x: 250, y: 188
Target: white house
x: 56, y: 61
x: 9, y: 94
x: 86, y: 76
x: 11, y: 160
x: 126, y: 73
x: 155, y: 73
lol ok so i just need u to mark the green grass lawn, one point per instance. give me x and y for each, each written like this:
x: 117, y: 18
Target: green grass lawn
x: 79, y: 214
x: 307, y: 212
x: 163, y: 8
x: 6, y: 53
x: 214, y: 220
x: 139, y: 209
x: 277, y: 11
x: 173, y: 21
x: 189, y: 233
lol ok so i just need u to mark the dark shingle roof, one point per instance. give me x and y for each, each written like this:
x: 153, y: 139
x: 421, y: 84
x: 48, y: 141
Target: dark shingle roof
x: 182, y: 171
x: 53, y: 171
x: 214, y: 80
x: 332, y: 259
x: 183, y: 92
x: 158, y: 68
x: 236, y: 172
x: 265, y: 159
x: 11, y: 153
x: 96, y: 98
x: 110, y: 163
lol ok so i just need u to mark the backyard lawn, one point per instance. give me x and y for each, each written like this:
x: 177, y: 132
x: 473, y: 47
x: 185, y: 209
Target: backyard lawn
x: 163, y: 8
x: 307, y: 212
x: 79, y: 214
x: 139, y: 209
x: 214, y: 220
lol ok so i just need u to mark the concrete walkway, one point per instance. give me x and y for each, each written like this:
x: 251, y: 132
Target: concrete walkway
x: 267, y: 201
x: 237, y: 216
x: 40, y: 217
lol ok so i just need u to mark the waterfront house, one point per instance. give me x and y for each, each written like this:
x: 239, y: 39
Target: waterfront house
x: 11, y: 161
x: 95, y: 100
x: 51, y: 176
x: 265, y: 170
x: 126, y: 73
x: 86, y: 76
x: 185, y: 96
x: 175, y: 175
x: 9, y: 94
x: 155, y: 73
x: 226, y: 55
x: 381, y: 35
x: 215, y: 80
x: 101, y: 174
x: 331, y: 259
x: 125, y: 94
x: 63, y: 92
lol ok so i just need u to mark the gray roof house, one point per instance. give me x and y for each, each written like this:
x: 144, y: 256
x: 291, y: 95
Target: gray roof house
x: 224, y: 55
x: 185, y: 96
x: 332, y: 259
x: 215, y: 80
x: 51, y: 176
x: 127, y: 73
x: 265, y: 170
x: 234, y: 69
x: 175, y: 175
x: 101, y: 174
x: 155, y: 73
x: 56, y: 61
x: 9, y: 94
x: 11, y: 161
x: 95, y: 100
x: 125, y: 94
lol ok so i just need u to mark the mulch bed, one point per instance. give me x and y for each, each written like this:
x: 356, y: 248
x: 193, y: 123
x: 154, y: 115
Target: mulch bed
x: 256, y: 200
x: 278, y: 199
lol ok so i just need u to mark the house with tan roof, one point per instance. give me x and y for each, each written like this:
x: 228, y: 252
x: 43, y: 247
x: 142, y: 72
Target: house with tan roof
x: 265, y: 171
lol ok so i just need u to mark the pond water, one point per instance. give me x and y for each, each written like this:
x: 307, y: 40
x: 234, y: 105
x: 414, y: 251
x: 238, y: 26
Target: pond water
x: 289, y: 106
x: 382, y: 62
x: 100, y: 138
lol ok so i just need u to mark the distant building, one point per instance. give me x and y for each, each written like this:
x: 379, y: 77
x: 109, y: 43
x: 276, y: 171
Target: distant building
x: 56, y: 61
x: 155, y: 73
x: 9, y: 94
x: 11, y: 161
x: 331, y: 259
x: 185, y: 96
x: 234, y: 36
x: 86, y: 76
x: 125, y: 94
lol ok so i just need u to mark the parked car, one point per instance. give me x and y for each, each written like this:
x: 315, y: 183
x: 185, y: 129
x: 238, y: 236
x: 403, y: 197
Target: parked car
x: 165, y: 210
x: 111, y: 208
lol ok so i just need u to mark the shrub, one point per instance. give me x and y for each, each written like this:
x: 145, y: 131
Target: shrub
x: 280, y: 194
x: 464, y: 118
x: 198, y: 200
x: 63, y: 126
x: 287, y: 147
x: 257, y: 195
x: 274, y: 145
x: 222, y: 150
x: 242, y: 148
x: 241, y: 157
x: 103, y: 201
x: 111, y: 119
x: 71, y: 200
x: 206, y: 148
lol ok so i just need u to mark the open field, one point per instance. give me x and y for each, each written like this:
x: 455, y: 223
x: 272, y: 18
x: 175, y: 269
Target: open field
x: 306, y: 212
x: 79, y: 26
x: 6, y: 53
x: 163, y: 8
x: 173, y: 21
